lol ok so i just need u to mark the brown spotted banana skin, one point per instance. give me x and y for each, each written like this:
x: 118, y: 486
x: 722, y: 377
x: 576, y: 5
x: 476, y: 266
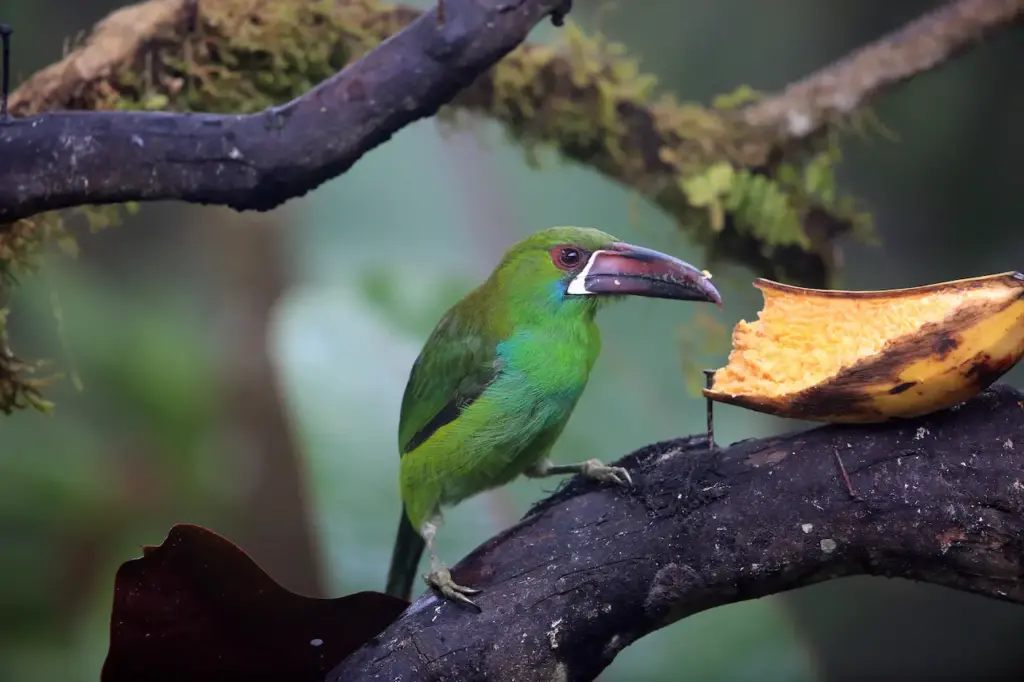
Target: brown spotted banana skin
x: 938, y: 366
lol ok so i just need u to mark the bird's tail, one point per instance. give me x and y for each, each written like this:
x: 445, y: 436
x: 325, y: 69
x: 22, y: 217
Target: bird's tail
x: 404, y: 560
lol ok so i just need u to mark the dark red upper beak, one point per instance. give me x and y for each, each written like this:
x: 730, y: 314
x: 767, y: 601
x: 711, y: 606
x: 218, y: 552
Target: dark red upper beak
x: 636, y: 271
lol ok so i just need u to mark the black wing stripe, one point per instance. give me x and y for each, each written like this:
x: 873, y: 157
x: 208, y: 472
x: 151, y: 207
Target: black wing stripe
x: 447, y: 414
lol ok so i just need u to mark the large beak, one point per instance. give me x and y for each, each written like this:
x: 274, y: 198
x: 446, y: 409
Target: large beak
x: 636, y: 271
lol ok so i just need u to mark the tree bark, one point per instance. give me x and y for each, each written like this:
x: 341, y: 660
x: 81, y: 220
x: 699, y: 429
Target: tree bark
x: 589, y: 570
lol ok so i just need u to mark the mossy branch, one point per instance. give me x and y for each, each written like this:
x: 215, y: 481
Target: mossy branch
x: 750, y: 178
x: 751, y: 181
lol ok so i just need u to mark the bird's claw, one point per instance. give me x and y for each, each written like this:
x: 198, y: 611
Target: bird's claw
x: 441, y: 580
x: 594, y: 469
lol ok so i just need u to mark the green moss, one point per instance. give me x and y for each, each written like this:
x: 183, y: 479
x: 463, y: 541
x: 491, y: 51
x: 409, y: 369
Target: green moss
x: 741, y: 96
x: 247, y: 55
x: 587, y: 99
x: 20, y: 385
x: 23, y: 245
x: 21, y: 248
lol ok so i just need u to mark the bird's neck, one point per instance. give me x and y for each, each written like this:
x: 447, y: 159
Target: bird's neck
x: 554, y: 346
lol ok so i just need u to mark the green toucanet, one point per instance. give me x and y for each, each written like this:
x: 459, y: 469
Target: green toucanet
x: 498, y: 378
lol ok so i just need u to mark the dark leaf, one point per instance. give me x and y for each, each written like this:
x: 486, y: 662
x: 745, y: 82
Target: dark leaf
x: 198, y: 608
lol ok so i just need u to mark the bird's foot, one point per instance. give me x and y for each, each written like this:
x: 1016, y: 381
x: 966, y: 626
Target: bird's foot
x: 440, y: 578
x: 594, y: 469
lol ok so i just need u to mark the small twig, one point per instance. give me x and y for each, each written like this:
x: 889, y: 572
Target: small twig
x: 846, y: 477
x: 5, y: 36
x: 709, y: 379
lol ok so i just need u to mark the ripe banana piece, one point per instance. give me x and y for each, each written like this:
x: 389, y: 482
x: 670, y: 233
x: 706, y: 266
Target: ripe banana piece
x: 872, y: 356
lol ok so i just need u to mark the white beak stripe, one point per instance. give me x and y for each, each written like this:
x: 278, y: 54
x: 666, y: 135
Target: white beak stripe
x: 578, y: 284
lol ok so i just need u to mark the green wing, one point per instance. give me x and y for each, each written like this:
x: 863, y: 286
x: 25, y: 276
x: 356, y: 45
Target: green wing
x: 456, y: 364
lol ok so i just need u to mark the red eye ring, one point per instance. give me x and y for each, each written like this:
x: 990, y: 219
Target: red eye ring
x: 567, y: 257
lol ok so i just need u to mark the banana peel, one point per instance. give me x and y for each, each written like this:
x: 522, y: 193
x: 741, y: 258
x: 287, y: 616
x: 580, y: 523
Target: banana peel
x: 872, y: 356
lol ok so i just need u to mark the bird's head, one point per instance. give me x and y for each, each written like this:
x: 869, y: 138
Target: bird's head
x: 586, y: 266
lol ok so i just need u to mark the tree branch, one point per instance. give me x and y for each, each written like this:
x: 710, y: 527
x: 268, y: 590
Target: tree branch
x: 806, y: 107
x: 258, y: 161
x: 591, y: 569
x: 588, y: 101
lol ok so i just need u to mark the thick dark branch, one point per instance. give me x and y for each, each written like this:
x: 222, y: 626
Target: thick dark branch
x: 258, y: 161
x: 591, y: 569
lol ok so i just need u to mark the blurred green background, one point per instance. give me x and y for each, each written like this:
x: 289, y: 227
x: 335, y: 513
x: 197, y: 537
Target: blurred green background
x: 244, y: 371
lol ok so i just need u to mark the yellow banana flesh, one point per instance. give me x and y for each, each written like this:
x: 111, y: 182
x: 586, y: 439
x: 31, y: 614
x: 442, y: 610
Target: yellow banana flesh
x: 872, y: 356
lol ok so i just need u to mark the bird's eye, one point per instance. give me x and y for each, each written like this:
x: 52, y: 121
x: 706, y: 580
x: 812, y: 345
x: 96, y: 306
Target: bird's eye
x: 567, y: 257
